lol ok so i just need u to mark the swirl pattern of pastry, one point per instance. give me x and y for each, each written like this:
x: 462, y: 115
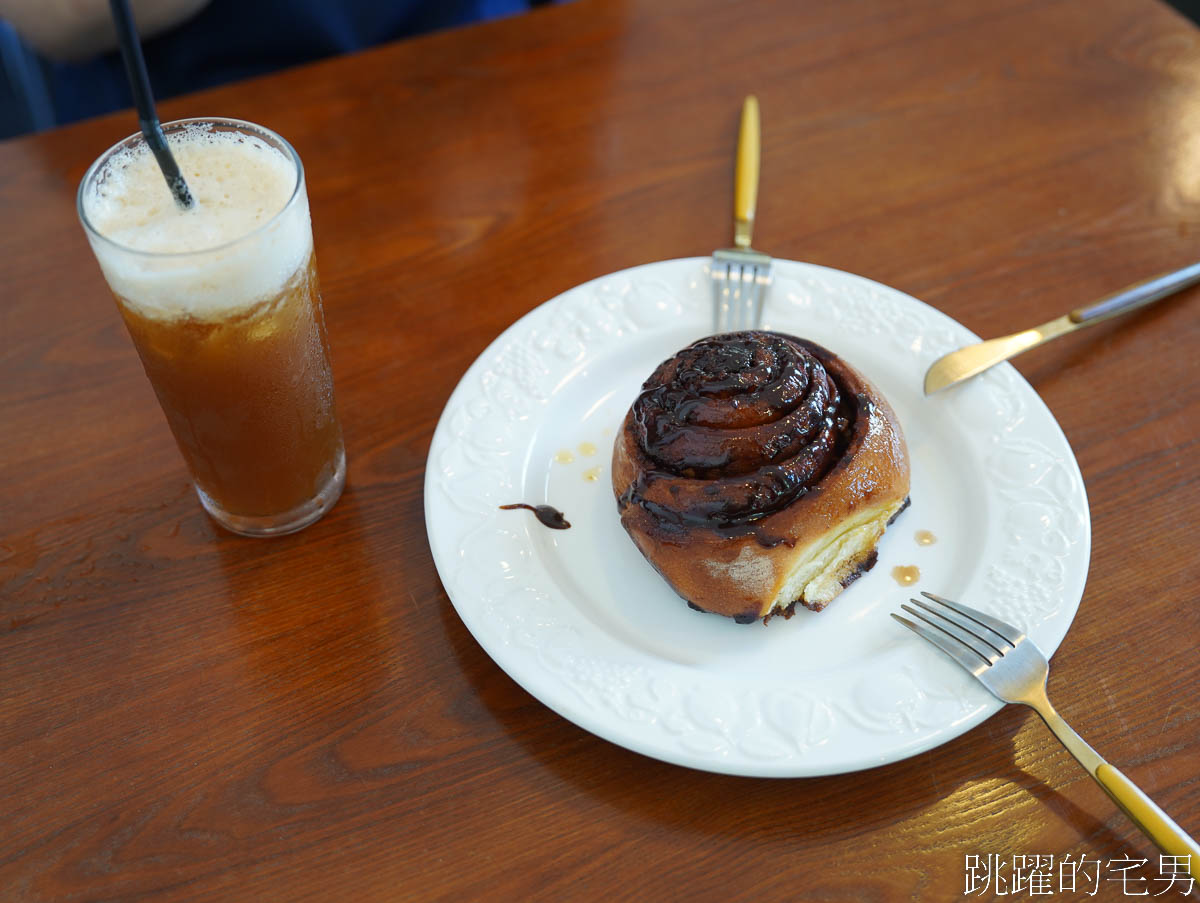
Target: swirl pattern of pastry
x: 756, y: 470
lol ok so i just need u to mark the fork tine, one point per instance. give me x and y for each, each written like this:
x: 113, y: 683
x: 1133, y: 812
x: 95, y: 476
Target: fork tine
x: 761, y: 278
x: 961, y: 654
x: 750, y: 281
x: 735, y: 297
x: 731, y: 310
x: 981, y: 633
x: 984, y: 650
x: 720, y: 287
x: 1012, y: 635
x: 740, y: 279
x: 728, y: 307
x: 738, y: 303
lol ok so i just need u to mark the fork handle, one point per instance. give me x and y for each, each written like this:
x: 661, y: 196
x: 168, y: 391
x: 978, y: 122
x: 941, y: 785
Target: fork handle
x: 1145, y: 813
x: 745, y: 175
x: 1142, y: 811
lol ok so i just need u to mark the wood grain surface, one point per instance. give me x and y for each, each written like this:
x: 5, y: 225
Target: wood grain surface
x: 187, y: 715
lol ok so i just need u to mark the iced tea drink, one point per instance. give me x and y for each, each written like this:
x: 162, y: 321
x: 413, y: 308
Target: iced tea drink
x: 224, y: 306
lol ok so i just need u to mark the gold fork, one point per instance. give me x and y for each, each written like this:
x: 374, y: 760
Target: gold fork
x: 740, y: 275
x: 1005, y: 660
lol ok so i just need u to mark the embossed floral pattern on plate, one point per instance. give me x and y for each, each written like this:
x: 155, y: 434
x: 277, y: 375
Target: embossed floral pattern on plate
x: 580, y: 620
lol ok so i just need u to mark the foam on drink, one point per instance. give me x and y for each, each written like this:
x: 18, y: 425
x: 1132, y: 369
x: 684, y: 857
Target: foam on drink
x: 168, y: 262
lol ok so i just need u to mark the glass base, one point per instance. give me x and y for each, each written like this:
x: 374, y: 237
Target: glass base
x: 289, y: 521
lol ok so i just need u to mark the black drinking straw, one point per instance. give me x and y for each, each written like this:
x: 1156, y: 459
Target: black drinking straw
x: 139, y: 82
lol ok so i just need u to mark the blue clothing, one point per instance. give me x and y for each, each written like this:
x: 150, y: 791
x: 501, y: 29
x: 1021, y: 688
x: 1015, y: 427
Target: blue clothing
x: 235, y: 39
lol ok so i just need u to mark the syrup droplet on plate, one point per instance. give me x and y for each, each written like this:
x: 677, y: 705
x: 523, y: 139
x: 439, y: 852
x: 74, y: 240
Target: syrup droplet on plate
x: 592, y: 474
x: 925, y: 538
x: 587, y: 449
x: 906, y: 575
x: 564, y: 456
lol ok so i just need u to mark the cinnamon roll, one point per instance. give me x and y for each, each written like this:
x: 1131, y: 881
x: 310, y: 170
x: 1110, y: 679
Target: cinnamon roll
x: 756, y: 470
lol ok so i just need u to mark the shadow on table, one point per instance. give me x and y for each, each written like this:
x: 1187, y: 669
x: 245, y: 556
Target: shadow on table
x: 328, y: 628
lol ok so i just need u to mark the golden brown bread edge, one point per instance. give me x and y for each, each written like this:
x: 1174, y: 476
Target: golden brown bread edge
x: 825, y: 539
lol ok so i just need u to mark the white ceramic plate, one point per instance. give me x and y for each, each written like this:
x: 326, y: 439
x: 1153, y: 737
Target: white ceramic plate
x: 582, y: 621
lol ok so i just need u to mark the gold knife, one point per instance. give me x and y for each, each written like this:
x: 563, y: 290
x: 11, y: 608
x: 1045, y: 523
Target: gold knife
x: 974, y: 359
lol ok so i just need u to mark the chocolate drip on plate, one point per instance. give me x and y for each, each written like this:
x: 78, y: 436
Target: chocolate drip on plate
x: 550, y: 517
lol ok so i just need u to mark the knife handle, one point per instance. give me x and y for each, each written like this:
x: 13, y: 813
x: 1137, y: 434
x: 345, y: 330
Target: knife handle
x: 745, y: 180
x: 1138, y: 295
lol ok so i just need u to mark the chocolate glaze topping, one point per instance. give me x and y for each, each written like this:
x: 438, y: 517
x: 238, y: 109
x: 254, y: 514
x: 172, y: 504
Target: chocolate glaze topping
x: 735, y: 427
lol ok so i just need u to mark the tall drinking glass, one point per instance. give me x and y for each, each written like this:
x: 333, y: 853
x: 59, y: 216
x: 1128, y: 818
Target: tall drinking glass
x: 223, y: 305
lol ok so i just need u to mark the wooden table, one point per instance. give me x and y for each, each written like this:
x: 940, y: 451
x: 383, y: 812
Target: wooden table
x: 189, y: 715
